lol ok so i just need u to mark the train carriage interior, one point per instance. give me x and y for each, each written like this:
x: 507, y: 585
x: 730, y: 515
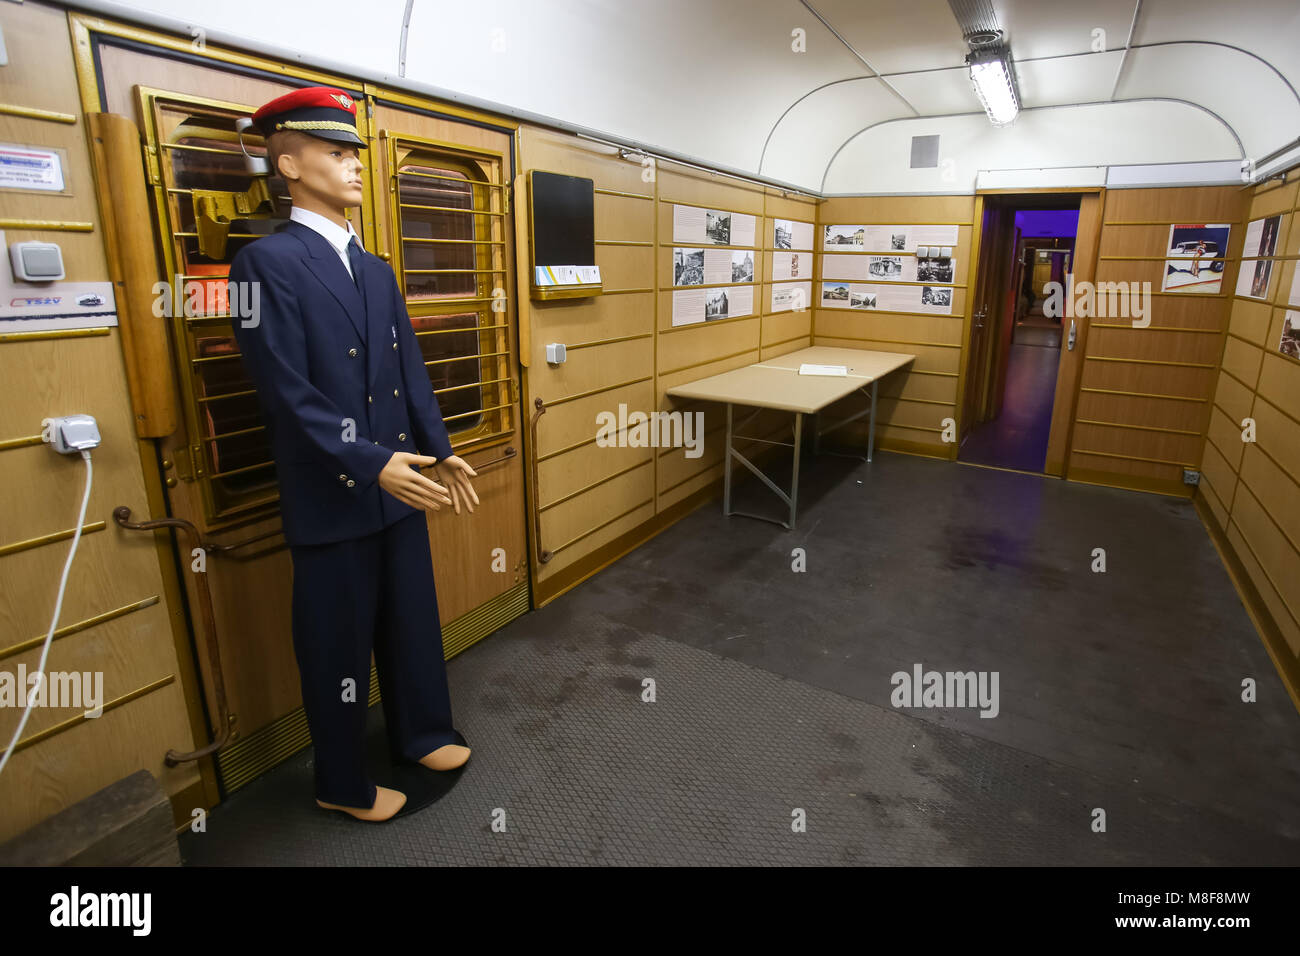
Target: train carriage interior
x: 737, y: 557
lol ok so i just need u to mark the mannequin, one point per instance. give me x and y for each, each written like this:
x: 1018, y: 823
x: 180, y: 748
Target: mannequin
x: 352, y: 417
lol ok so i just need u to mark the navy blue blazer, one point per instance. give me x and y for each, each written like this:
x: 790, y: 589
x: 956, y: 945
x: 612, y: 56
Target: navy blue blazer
x: 342, y: 383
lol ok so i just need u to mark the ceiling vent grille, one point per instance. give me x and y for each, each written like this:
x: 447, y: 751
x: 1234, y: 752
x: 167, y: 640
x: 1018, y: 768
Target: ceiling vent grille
x: 925, y: 152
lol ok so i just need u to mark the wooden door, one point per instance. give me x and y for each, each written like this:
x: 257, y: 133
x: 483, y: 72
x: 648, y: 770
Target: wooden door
x: 996, y: 224
x: 1074, y: 330
x: 444, y: 221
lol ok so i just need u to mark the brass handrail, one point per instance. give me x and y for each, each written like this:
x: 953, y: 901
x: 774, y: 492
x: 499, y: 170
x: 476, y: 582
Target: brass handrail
x: 225, y: 719
x: 214, y: 548
x: 511, y: 452
x: 543, y: 556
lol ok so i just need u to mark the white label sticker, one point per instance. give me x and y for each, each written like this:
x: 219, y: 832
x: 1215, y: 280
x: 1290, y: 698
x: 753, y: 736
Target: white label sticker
x: 27, y: 167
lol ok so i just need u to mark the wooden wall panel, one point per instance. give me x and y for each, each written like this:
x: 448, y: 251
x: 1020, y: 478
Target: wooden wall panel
x: 114, y: 569
x: 1274, y: 551
x: 1250, y: 321
x: 1219, y: 474
x: 1263, y: 583
x: 1233, y: 398
x: 1148, y: 381
x: 1242, y: 359
x: 926, y: 393
x: 785, y: 331
x: 1190, y: 348
x: 577, y: 321
x: 598, y: 367
x: 1225, y: 434
x: 1279, y: 382
x: 682, y: 348
x: 1135, y: 378
x: 590, y: 496
x: 577, y: 426
x: 1144, y: 206
x: 1212, y: 499
x: 1151, y: 413
x: 1270, y: 479
x: 1251, y: 490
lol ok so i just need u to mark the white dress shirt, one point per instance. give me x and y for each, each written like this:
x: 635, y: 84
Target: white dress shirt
x: 336, y: 237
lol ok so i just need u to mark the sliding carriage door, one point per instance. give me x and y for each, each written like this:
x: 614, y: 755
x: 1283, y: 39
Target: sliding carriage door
x: 217, y: 465
x: 437, y: 211
x: 444, y: 222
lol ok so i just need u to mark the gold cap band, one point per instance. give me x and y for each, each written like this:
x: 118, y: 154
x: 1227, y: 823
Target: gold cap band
x: 316, y: 124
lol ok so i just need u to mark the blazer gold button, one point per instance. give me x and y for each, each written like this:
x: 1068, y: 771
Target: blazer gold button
x: 402, y: 437
x: 394, y: 346
x: 370, y: 399
x: 394, y: 393
x: 351, y: 482
x: 352, y: 353
x: 343, y: 477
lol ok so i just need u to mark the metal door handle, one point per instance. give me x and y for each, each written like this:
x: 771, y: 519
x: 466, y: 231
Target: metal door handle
x: 1069, y: 344
x: 225, y: 720
x: 980, y: 315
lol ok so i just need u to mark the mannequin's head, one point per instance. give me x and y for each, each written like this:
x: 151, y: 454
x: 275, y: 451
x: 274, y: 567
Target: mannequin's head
x: 318, y: 172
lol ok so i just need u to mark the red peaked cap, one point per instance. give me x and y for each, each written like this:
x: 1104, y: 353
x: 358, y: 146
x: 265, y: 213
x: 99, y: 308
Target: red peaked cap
x: 322, y: 111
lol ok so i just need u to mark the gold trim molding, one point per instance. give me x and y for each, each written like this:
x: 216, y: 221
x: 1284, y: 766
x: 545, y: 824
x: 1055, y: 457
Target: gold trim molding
x: 81, y: 625
x: 63, y: 225
x: 50, y: 538
x: 31, y: 112
x: 82, y: 718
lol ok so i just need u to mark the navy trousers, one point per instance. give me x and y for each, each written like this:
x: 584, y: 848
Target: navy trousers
x: 375, y: 591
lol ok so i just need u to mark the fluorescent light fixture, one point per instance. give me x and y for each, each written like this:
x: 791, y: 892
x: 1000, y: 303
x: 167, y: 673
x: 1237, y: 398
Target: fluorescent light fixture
x: 995, y: 84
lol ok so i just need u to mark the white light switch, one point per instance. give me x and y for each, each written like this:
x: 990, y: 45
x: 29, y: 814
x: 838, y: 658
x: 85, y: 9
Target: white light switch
x: 36, y: 261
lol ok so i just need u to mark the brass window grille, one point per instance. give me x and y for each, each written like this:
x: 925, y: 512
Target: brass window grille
x: 449, y: 206
x: 192, y: 146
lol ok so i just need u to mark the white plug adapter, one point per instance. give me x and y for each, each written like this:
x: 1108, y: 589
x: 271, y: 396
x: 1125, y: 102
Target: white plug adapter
x: 71, y: 434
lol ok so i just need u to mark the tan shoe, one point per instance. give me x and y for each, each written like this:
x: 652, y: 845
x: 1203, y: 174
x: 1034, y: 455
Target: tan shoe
x: 387, y: 803
x: 446, y: 757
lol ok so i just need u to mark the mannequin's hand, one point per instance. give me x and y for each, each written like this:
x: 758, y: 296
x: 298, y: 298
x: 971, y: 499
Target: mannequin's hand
x: 407, y: 485
x: 458, y: 475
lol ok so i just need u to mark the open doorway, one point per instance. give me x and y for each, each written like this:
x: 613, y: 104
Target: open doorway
x: 1027, y: 251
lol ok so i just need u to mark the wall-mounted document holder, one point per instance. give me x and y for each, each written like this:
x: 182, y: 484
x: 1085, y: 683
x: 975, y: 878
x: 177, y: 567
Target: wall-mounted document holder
x: 562, y: 236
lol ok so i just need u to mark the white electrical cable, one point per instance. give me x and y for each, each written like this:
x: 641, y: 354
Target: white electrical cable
x: 58, y: 609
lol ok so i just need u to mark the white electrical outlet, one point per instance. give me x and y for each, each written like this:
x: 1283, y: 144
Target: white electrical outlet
x: 71, y: 434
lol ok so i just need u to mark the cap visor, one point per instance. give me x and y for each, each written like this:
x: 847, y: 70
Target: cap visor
x: 339, y: 136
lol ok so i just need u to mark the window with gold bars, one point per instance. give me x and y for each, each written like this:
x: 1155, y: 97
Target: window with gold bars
x: 450, y: 260
x: 449, y: 209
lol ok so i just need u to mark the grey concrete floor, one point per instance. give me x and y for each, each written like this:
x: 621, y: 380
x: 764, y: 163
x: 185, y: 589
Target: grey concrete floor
x: 1118, y: 691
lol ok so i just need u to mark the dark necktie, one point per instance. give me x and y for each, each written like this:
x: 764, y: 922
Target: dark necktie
x: 354, y: 259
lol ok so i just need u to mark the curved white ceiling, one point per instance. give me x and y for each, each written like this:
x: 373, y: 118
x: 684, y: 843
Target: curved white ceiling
x: 1110, y: 134
x: 720, y: 82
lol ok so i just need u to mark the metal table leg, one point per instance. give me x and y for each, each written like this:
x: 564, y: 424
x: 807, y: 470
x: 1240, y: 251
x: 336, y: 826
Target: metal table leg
x: 790, y: 499
x: 871, y: 428
x: 819, y: 431
x: 794, y: 478
x: 726, y: 468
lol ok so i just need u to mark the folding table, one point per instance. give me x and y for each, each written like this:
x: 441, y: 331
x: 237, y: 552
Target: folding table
x: 776, y: 383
